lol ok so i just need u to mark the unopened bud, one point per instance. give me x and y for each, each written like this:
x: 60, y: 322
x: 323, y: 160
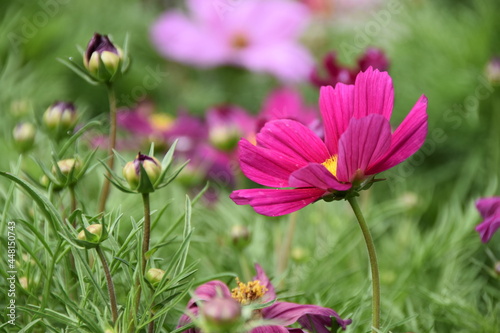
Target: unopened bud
x: 299, y: 254
x: 221, y: 314
x: 59, y: 119
x: 493, y: 70
x: 67, y: 165
x: 102, y: 59
x: 240, y: 236
x: 154, y: 276
x: 132, y: 170
x: 24, y: 136
x: 95, y: 229
x: 497, y: 268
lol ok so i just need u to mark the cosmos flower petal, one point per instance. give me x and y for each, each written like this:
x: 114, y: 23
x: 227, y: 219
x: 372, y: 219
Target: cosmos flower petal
x: 337, y: 108
x: 289, y: 313
x: 374, y: 94
x: 272, y: 202
x: 488, y: 227
x: 269, y: 329
x: 488, y: 206
x: 406, y: 140
x: 364, y: 142
x: 266, y: 166
x: 293, y: 139
x: 316, y: 175
x: 264, y: 280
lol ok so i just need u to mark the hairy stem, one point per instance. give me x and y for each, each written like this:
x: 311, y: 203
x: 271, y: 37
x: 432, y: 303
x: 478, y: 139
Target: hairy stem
x: 373, y: 263
x: 111, y: 286
x: 111, y: 146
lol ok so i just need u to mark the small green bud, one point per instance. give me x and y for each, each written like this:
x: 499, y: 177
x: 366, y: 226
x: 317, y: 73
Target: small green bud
x: 221, y: 314
x: 240, y: 236
x: 94, y: 229
x: 154, y: 276
x: 67, y: 165
x: 497, y: 268
x: 24, y: 136
x: 299, y: 254
x: 102, y: 59
x: 132, y: 170
x: 60, y: 119
x: 20, y: 108
x: 224, y: 137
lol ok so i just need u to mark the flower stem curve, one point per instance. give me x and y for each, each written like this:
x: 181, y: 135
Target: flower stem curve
x: 370, y: 246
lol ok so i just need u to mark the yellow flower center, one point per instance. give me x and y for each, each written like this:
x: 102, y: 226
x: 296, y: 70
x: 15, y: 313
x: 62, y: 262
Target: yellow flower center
x: 239, y: 41
x: 331, y: 165
x: 246, y: 293
x: 160, y: 121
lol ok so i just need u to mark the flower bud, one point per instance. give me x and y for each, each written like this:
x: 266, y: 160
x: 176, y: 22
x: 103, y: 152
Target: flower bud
x: 493, y: 70
x: 132, y: 170
x: 94, y: 229
x: 24, y: 136
x: 59, y: 119
x: 154, y: 276
x: 240, y: 236
x: 497, y: 268
x: 221, y: 314
x: 20, y: 108
x: 224, y: 138
x: 67, y: 165
x: 102, y: 59
x: 300, y: 254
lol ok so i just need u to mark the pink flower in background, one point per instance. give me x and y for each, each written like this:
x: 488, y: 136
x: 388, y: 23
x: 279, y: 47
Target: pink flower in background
x: 489, y: 208
x: 227, y: 124
x: 358, y: 144
x: 286, y: 103
x: 260, y: 35
x: 334, y: 73
x: 280, y: 314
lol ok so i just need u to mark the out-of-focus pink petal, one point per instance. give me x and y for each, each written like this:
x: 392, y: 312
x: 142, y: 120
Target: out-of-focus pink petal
x: 134, y: 122
x: 406, y: 140
x: 266, y: 166
x: 488, y: 206
x: 288, y: 61
x: 176, y: 37
x: 272, y: 202
x: 337, y: 108
x: 264, y: 280
x: 363, y: 143
x: 269, y: 329
x: 294, y: 140
x: 374, y: 94
x: 208, y: 291
x: 289, y: 313
x: 488, y: 227
x: 316, y: 175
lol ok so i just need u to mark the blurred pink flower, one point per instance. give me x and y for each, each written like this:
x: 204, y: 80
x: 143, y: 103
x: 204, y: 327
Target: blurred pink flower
x: 489, y: 208
x: 286, y: 103
x: 312, y: 318
x: 335, y: 72
x: 358, y: 144
x: 260, y: 35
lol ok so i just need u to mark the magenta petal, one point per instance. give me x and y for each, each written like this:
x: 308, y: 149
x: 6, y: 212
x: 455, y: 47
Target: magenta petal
x: 364, y: 142
x: 289, y: 313
x: 266, y: 166
x: 488, y: 227
x: 374, y: 94
x: 269, y: 329
x: 337, y: 109
x: 488, y: 206
x: 294, y: 140
x: 406, y: 140
x: 272, y: 202
x: 316, y: 175
x: 264, y: 280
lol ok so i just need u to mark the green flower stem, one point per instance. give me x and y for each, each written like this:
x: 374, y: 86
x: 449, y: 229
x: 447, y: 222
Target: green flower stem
x: 73, y: 202
x: 111, y: 146
x: 145, y: 249
x: 373, y: 263
x: 284, y: 254
x: 109, y: 280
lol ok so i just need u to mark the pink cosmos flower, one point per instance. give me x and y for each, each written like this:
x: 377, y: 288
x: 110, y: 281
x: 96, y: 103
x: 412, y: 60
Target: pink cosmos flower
x: 358, y: 144
x: 489, y: 208
x: 260, y: 35
x: 313, y: 318
x: 335, y: 72
x: 286, y: 103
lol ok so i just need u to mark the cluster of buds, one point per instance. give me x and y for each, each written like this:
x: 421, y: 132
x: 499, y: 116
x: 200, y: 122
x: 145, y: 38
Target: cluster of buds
x: 91, y: 236
x: 145, y: 173
x: 60, y: 119
x: 24, y: 136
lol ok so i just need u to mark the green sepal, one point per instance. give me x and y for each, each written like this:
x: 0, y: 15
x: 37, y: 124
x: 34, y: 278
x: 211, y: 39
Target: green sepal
x: 78, y: 70
x: 173, y: 175
x: 145, y: 185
